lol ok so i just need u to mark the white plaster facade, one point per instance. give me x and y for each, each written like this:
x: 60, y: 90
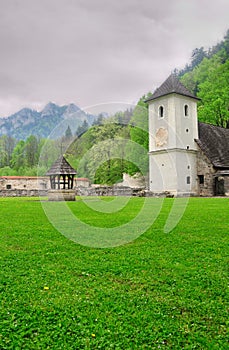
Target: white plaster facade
x: 173, y: 129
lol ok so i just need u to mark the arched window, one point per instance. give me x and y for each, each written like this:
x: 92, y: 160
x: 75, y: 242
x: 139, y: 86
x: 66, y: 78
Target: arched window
x: 161, y: 111
x: 186, y: 111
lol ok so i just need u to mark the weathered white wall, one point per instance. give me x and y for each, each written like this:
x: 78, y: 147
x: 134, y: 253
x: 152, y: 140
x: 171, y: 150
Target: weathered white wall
x: 172, y: 146
x: 82, y: 182
x: 135, y: 181
x: 24, y: 183
x: 174, y: 121
x: 169, y: 171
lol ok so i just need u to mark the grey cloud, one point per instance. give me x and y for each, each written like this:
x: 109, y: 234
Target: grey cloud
x: 91, y: 51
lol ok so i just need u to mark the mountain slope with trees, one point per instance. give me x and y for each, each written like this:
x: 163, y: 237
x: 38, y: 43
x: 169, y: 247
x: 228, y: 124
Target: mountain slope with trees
x: 208, y: 77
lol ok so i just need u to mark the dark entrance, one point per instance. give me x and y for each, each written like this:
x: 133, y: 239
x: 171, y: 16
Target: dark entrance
x: 219, y: 186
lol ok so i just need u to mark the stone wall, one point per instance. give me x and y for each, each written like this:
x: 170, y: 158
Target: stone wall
x: 61, y: 195
x: 20, y: 186
x: 109, y: 191
x: 135, y: 181
x: 23, y: 193
x: 226, y: 185
x: 82, y: 182
x: 27, y: 183
x: 206, y: 170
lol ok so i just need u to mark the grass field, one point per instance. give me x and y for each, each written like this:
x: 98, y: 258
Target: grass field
x: 162, y: 291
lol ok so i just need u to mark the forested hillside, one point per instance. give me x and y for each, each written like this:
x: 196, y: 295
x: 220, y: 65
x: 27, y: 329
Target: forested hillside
x: 118, y: 144
x: 208, y: 77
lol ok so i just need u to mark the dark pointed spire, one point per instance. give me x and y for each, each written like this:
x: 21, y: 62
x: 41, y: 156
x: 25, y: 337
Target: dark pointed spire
x: 61, y: 167
x: 171, y: 85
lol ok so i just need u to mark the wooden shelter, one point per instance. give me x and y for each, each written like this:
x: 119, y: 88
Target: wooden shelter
x: 61, y: 176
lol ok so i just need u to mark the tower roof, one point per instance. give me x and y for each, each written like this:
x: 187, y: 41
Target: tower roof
x: 61, y: 167
x: 171, y: 85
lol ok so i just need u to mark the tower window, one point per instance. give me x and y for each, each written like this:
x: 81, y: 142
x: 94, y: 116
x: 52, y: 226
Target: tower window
x: 188, y: 179
x: 186, y: 111
x: 201, y: 179
x: 161, y: 111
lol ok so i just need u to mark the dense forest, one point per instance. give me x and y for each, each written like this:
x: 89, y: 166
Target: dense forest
x: 118, y: 144
x: 208, y: 78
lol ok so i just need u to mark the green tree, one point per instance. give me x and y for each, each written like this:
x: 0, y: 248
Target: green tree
x: 7, y: 144
x: 48, y: 151
x: 139, y: 135
x: 82, y: 128
x: 68, y: 133
x: 18, y: 156
x: 31, y: 151
x: 214, y: 93
x: 197, y: 57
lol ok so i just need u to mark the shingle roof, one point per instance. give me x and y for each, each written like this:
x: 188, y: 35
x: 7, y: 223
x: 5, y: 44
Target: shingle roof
x: 214, y: 142
x: 61, y: 167
x: 171, y: 85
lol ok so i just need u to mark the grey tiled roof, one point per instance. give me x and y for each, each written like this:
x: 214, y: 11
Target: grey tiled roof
x: 171, y: 85
x: 214, y: 142
x: 61, y: 167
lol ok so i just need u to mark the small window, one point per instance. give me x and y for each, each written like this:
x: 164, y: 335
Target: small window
x: 8, y: 187
x: 187, y: 147
x: 161, y: 111
x: 201, y: 179
x: 188, y: 166
x: 186, y: 110
x: 187, y: 130
x: 188, y: 180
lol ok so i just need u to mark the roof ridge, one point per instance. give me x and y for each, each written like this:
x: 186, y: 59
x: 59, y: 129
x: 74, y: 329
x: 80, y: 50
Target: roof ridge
x: 171, y: 85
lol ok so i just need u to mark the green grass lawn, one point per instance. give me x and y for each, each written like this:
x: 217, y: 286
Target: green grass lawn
x: 161, y: 291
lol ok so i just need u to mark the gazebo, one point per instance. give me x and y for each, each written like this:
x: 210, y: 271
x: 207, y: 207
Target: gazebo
x: 61, y: 176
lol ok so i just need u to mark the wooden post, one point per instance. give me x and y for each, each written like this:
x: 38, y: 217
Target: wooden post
x: 64, y: 176
x: 58, y: 182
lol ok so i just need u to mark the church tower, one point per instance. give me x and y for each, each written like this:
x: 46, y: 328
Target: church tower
x: 173, y: 129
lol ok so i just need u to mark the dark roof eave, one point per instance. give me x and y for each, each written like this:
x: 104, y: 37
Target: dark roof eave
x: 60, y: 173
x: 219, y: 166
x: 170, y: 93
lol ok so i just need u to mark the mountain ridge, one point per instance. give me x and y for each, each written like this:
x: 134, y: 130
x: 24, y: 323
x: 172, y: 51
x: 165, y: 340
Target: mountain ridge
x: 27, y: 121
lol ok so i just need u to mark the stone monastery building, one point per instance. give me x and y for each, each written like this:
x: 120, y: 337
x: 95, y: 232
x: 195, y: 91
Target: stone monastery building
x: 186, y: 157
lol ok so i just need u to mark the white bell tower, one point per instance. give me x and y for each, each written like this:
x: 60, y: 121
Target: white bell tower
x: 173, y: 128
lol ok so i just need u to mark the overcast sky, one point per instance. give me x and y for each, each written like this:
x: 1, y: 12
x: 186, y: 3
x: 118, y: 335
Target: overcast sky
x: 98, y: 51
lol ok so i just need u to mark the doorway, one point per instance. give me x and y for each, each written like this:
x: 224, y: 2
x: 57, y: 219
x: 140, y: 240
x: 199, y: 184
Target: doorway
x: 219, y: 186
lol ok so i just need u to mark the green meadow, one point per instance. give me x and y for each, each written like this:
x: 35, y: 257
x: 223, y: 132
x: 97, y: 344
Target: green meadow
x: 160, y: 291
